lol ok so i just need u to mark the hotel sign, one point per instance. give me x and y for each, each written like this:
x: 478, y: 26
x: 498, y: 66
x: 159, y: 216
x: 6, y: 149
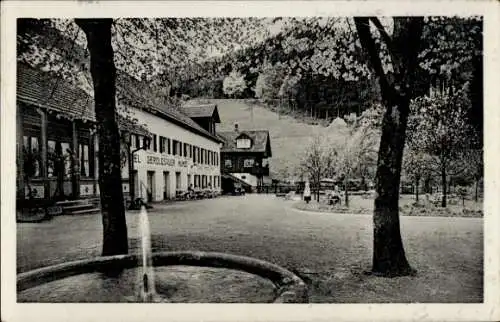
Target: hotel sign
x: 151, y: 159
x: 155, y: 160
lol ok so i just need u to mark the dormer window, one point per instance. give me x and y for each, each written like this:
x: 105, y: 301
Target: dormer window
x: 243, y: 143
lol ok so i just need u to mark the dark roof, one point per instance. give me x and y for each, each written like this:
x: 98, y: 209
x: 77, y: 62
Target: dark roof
x: 185, y: 121
x: 44, y: 90
x: 194, y: 110
x: 235, y: 179
x: 140, y: 95
x: 260, y: 141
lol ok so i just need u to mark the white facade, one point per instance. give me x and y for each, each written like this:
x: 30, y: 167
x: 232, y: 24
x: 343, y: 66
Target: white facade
x: 161, y: 173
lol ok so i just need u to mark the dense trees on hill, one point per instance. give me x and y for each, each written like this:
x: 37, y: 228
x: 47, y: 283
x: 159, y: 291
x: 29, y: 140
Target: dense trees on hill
x: 325, y: 55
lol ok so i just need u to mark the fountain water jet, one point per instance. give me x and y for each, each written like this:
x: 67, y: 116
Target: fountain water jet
x: 147, y: 281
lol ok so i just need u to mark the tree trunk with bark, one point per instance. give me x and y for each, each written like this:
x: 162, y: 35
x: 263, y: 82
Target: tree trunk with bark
x: 476, y: 194
x: 103, y: 71
x: 346, y: 189
x: 389, y: 257
x: 444, y: 186
x: 318, y: 178
x: 417, y: 180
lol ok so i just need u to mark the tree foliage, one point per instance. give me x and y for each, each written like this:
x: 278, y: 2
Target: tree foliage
x: 234, y: 84
x: 438, y: 127
x: 318, y: 161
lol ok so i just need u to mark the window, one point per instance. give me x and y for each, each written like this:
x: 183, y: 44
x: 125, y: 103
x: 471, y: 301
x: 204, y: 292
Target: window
x: 162, y: 144
x: 174, y: 146
x: 155, y: 145
x: 67, y: 158
x: 202, y: 161
x: 51, y: 150
x: 146, y: 143
x: 243, y: 143
x: 30, y: 145
x: 138, y: 141
x: 59, y: 159
x: 133, y: 142
x: 169, y: 150
x: 178, y: 180
x: 84, y: 160
x: 185, y: 149
x: 248, y: 163
x: 177, y: 147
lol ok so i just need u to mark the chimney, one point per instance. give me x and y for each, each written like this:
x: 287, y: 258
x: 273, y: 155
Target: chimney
x: 235, y: 127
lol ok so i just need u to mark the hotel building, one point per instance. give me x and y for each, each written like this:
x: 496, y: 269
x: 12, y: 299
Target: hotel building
x: 56, y: 135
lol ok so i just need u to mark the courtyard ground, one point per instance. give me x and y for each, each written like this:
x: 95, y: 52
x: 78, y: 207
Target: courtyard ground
x: 330, y: 251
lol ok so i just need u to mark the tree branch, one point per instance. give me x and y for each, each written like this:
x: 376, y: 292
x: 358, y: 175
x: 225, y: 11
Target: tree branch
x: 388, y: 41
x: 387, y: 38
x: 366, y: 39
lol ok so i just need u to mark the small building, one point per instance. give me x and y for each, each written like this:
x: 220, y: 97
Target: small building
x: 245, y: 154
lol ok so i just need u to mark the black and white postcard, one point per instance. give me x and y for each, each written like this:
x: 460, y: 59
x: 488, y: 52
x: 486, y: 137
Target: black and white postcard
x: 321, y: 161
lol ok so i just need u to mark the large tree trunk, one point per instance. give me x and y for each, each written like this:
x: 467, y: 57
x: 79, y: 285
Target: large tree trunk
x: 102, y: 68
x: 389, y: 257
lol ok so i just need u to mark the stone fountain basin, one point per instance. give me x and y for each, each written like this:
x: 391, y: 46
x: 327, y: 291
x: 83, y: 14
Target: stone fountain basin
x: 231, y: 274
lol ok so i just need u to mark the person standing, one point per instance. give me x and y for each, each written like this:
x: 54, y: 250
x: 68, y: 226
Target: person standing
x: 307, y: 192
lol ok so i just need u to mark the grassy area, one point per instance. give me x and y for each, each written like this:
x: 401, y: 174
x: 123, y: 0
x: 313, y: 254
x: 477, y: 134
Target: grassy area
x: 407, y: 207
